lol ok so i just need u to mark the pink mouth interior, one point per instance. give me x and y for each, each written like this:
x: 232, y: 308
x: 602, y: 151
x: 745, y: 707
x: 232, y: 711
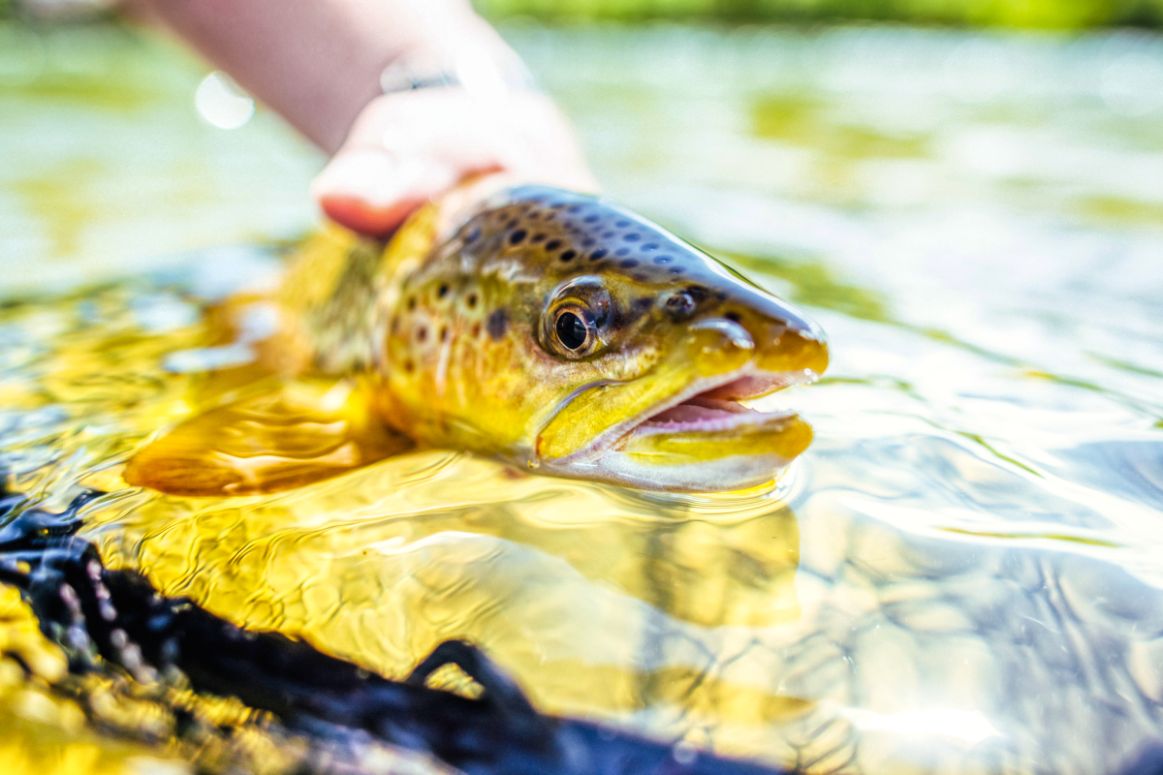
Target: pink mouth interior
x: 748, y: 387
x: 699, y: 414
x: 717, y: 409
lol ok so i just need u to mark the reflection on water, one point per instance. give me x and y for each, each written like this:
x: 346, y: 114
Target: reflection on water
x: 962, y: 574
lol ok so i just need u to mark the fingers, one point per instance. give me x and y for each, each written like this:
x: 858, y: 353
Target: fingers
x: 373, y: 190
x: 408, y: 148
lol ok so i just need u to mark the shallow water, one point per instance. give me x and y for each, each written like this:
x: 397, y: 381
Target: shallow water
x: 961, y: 575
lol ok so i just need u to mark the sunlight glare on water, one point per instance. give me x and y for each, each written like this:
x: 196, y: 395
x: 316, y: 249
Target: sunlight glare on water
x: 962, y: 574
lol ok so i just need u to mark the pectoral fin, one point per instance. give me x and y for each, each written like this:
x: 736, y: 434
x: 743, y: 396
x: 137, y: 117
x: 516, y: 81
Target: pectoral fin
x: 292, y: 436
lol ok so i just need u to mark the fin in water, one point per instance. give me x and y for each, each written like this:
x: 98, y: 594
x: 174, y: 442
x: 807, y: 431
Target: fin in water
x: 301, y: 433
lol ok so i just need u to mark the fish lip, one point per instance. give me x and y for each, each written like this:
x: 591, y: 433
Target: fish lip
x: 615, y: 434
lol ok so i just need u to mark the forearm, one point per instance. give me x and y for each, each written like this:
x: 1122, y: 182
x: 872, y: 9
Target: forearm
x: 317, y: 62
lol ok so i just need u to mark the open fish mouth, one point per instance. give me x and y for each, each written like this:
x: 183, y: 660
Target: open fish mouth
x: 721, y: 409
x: 709, y: 407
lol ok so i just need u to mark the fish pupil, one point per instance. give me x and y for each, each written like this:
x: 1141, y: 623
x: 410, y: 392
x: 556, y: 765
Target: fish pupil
x: 571, y: 330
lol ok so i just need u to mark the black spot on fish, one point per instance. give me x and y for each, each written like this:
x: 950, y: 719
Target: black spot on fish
x: 588, y: 242
x: 552, y: 245
x: 650, y: 246
x: 621, y: 224
x: 409, y: 366
x: 471, y: 300
x: 663, y: 259
x: 632, y: 237
x: 640, y: 277
x: 497, y: 323
x: 444, y: 334
x: 442, y: 291
x: 512, y: 224
x: 733, y: 317
x: 538, y: 237
x: 421, y: 333
x: 568, y: 255
x: 411, y: 303
x: 592, y: 218
x: 599, y: 253
x: 608, y: 234
x: 517, y: 237
x: 676, y: 270
x: 698, y: 293
x: 473, y: 235
x: 629, y: 263
x: 622, y: 252
x: 636, y: 309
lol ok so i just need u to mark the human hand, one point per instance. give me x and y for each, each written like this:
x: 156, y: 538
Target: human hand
x: 408, y: 147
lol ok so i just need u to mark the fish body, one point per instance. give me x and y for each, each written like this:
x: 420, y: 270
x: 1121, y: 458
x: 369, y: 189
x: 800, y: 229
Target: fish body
x: 560, y: 333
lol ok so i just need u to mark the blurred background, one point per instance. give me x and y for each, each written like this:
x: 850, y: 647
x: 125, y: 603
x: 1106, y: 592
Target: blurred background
x: 1048, y: 14
x: 122, y: 150
x: 123, y: 153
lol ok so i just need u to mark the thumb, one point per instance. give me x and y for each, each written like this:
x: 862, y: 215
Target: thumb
x: 372, y: 190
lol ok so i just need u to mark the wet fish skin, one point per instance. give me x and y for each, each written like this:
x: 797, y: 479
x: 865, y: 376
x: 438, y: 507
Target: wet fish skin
x: 465, y: 353
x: 549, y: 329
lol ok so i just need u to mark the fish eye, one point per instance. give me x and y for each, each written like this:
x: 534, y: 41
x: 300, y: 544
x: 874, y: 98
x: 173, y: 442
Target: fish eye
x: 574, y: 330
x: 575, y: 322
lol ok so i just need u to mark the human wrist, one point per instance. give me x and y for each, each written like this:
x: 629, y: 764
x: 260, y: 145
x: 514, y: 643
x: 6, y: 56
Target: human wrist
x: 469, y: 55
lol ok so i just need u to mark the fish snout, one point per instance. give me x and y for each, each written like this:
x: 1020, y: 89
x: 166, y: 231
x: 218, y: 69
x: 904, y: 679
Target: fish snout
x: 783, y: 339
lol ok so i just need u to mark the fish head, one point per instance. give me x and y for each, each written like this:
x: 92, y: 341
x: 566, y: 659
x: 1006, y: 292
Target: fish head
x: 632, y: 350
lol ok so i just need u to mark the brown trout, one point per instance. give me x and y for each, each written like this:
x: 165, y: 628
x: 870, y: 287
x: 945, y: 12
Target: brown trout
x: 552, y: 330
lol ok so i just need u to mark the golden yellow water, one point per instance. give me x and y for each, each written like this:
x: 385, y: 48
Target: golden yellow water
x: 961, y: 575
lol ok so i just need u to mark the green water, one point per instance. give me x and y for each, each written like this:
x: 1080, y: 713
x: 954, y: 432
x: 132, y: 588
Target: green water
x: 963, y: 573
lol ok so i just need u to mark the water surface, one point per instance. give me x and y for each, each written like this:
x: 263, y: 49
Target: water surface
x: 962, y: 575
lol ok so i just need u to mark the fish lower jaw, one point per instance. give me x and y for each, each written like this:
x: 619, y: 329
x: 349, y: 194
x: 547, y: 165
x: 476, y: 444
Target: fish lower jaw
x: 732, y: 473
x: 706, y: 406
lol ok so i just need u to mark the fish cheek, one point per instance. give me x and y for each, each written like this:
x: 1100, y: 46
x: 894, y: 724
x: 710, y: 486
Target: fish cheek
x: 634, y: 360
